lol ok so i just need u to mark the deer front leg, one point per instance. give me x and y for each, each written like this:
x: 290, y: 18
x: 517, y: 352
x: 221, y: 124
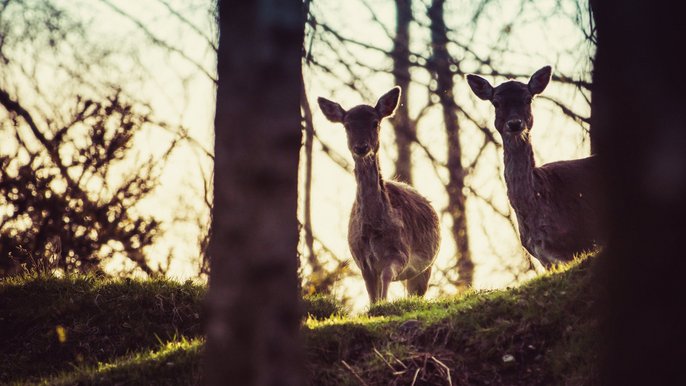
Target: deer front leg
x: 371, y: 281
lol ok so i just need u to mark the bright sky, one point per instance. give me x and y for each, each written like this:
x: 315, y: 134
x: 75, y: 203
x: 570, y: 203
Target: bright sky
x: 541, y: 33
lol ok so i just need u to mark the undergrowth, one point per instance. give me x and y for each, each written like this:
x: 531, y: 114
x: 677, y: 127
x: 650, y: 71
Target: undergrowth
x: 80, y: 330
x: 50, y: 324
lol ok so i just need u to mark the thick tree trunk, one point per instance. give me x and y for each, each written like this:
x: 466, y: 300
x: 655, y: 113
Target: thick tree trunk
x: 639, y: 126
x: 455, y: 188
x: 404, y: 129
x: 254, y: 312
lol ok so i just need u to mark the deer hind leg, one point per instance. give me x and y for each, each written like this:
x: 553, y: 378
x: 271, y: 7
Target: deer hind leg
x: 389, y: 274
x: 419, y: 284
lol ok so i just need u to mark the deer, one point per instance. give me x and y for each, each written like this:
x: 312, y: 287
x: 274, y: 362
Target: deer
x: 393, y: 231
x: 556, y: 204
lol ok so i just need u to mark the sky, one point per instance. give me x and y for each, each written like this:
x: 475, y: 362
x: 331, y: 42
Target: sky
x: 179, y: 89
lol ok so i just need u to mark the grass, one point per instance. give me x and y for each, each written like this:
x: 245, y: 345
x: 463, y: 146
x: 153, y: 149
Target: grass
x: 50, y: 324
x: 175, y: 363
x: 149, y: 332
x: 542, y: 333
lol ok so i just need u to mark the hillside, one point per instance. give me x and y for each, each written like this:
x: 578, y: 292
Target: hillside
x: 84, y: 330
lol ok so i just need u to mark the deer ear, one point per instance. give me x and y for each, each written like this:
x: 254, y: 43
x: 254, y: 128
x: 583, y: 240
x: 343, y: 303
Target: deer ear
x: 332, y: 110
x: 480, y: 86
x: 388, y: 102
x: 539, y: 80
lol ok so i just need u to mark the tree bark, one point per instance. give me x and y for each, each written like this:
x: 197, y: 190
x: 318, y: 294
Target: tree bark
x: 253, y: 300
x: 639, y: 126
x: 456, y: 198
x: 404, y: 129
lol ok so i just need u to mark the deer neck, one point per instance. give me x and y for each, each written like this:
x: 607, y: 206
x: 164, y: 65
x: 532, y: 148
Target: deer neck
x: 371, y: 191
x: 519, y: 169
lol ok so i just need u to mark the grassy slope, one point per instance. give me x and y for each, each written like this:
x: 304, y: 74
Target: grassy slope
x: 547, y: 326
x: 148, y: 332
x: 101, y: 320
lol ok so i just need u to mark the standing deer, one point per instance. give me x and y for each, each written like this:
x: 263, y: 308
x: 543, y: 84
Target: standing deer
x: 393, y: 231
x: 556, y: 204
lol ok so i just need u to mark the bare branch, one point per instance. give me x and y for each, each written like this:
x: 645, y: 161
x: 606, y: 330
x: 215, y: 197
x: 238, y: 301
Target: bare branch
x: 567, y: 111
x: 334, y: 156
x: 159, y: 42
x: 210, y: 43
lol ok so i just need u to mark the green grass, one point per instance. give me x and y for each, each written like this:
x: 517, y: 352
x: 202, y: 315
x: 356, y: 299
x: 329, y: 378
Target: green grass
x: 546, y: 326
x: 175, y: 363
x: 50, y: 325
x: 100, y: 320
x: 324, y: 307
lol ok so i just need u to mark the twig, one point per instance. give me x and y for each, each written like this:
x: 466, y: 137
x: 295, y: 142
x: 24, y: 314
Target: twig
x: 359, y: 379
x: 414, y: 379
x: 447, y: 369
x: 334, y: 156
x: 384, y: 359
x: 190, y: 24
x: 567, y: 111
x: 376, y: 19
x: 400, y: 362
x: 158, y: 41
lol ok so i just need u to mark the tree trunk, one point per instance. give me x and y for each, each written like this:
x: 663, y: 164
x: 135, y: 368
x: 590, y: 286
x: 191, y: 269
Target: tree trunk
x: 639, y: 125
x: 307, y: 185
x: 253, y: 300
x: 404, y: 129
x: 456, y: 197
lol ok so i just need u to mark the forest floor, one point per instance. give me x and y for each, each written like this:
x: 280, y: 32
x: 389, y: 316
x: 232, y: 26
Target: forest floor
x: 85, y: 330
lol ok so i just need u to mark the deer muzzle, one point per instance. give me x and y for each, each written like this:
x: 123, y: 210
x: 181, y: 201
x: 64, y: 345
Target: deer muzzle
x: 515, y: 125
x: 361, y: 150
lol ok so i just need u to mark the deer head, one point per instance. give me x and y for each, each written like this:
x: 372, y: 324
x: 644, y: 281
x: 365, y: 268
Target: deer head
x: 512, y: 100
x: 362, y: 122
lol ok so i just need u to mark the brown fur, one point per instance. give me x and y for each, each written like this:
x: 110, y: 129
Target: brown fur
x: 556, y: 204
x: 393, y: 231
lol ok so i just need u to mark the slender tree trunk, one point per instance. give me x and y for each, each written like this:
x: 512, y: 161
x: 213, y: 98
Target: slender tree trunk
x: 254, y: 312
x: 307, y: 220
x: 639, y: 124
x: 455, y: 188
x: 404, y: 129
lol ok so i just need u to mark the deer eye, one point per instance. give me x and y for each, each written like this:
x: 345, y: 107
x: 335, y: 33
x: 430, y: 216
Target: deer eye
x: 496, y: 104
x: 528, y: 100
x: 375, y: 123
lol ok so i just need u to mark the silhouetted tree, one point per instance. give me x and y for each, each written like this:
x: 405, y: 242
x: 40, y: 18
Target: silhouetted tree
x: 252, y: 330
x: 76, y: 168
x: 440, y: 63
x: 404, y: 127
x: 61, y: 208
x: 639, y: 126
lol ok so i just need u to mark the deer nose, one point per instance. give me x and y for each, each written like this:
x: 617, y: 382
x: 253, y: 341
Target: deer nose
x: 515, y: 125
x: 361, y: 150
